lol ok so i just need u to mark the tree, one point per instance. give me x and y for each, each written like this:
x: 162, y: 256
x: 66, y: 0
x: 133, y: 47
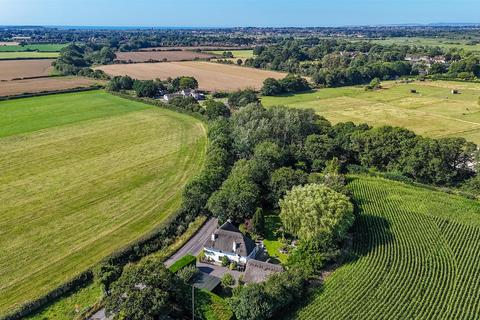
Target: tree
x: 186, y: 274
x: 250, y: 303
x: 271, y: 87
x: 242, y: 98
x: 227, y: 55
x: 293, y: 84
x: 283, y: 180
x: 126, y: 82
x: 144, y: 291
x: 239, y: 195
x: 187, y: 83
x: 284, y: 126
x: 258, y: 221
x: 317, y: 149
x: 146, y: 88
x: 215, y: 109
x: 312, y: 211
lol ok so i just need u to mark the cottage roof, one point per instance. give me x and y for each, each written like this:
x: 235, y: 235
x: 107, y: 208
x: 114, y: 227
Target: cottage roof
x: 258, y: 271
x: 223, y: 240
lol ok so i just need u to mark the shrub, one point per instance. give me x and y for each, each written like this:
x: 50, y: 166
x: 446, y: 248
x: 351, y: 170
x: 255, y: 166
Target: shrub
x: 225, y: 261
x: 187, y: 273
x: 228, y: 280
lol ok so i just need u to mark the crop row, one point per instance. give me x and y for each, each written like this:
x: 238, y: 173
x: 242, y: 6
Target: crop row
x: 410, y: 259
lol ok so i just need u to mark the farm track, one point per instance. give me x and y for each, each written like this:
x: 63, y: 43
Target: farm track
x: 414, y: 259
x: 78, y: 186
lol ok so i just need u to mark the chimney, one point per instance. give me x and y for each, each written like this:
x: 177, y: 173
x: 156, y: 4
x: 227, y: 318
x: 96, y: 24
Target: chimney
x: 235, y: 246
x: 213, y: 236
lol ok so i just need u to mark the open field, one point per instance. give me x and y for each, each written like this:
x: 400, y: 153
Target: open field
x: 432, y: 42
x: 27, y: 55
x: 210, y: 76
x: 33, y: 47
x: 17, y: 87
x: 9, y: 43
x: 202, y: 48
x: 237, y: 54
x: 416, y: 255
x: 144, y: 56
x: 82, y: 175
x: 433, y: 111
x: 14, y: 69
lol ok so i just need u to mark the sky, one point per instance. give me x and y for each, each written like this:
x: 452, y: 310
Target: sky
x: 217, y: 13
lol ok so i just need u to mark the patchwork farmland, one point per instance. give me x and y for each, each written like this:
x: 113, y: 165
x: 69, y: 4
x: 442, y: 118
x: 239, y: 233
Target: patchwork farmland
x: 145, y: 56
x: 433, y: 110
x: 27, y: 86
x: 82, y: 175
x: 210, y: 76
x: 15, y: 69
x: 413, y: 257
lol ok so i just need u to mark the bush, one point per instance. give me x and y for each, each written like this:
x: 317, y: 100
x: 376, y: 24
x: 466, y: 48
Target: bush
x: 225, y: 261
x: 233, y: 265
x: 187, y: 273
x: 228, y: 280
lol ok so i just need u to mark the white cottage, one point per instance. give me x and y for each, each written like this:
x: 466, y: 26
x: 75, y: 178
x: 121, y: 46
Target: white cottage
x: 229, y: 241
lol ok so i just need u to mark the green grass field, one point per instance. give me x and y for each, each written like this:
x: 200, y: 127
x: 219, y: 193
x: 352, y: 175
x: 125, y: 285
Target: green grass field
x: 82, y: 175
x: 33, y: 47
x: 238, y: 54
x: 27, y: 55
x: 431, y: 42
x: 416, y: 255
x: 433, y: 111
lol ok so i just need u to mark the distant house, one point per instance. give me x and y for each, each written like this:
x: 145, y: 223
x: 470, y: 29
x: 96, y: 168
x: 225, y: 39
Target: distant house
x: 258, y: 271
x: 194, y: 94
x: 168, y: 97
x: 228, y: 241
x: 187, y: 92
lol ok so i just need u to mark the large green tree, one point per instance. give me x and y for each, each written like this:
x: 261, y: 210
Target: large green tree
x: 311, y: 211
x: 143, y: 292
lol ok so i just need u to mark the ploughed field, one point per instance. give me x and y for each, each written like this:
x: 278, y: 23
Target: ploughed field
x: 82, y: 175
x: 415, y: 255
x: 18, y: 87
x: 15, y: 69
x: 433, y: 111
x: 210, y: 76
x: 145, y: 56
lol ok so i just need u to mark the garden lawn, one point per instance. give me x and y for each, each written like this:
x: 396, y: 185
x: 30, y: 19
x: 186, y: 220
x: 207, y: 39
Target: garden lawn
x: 82, y: 175
x: 433, y: 111
x: 272, y: 240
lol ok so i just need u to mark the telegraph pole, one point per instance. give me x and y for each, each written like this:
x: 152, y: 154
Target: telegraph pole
x: 193, y: 302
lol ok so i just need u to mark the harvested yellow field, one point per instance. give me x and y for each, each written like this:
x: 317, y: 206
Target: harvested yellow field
x: 210, y: 76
